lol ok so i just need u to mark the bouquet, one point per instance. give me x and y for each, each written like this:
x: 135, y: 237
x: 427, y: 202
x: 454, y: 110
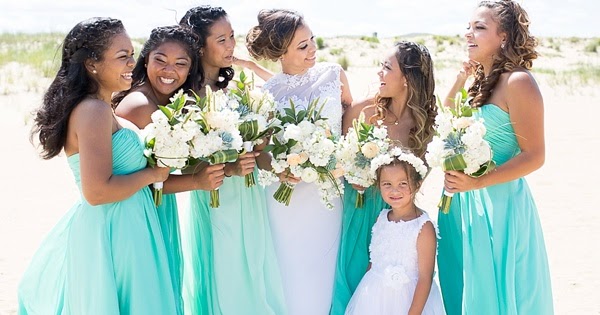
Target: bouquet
x: 362, y: 143
x: 168, y: 138
x: 459, y: 143
x: 218, y: 140
x: 257, y: 115
x: 304, y: 147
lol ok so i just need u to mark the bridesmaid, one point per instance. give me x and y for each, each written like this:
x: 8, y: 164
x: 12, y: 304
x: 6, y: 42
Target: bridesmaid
x: 406, y: 105
x: 231, y: 266
x: 306, y: 233
x: 167, y: 63
x: 492, y: 257
x: 106, y: 256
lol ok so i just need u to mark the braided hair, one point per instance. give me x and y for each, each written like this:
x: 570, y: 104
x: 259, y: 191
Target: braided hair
x: 89, y: 39
x: 417, y: 67
x: 518, y: 51
x: 200, y: 19
x: 160, y: 35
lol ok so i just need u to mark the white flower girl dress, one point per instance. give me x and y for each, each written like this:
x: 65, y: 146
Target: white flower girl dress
x: 388, y: 287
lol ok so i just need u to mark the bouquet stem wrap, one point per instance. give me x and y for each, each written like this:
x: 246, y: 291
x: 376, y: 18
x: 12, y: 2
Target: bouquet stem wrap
x: 157, y: 193
x: 220, y: 157
x: 249, y: 178
x: 360, y: 199
x: 284, y: 193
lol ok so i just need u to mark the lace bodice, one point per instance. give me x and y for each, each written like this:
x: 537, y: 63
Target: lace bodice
x: 321, y: 81
x: 394, y: 245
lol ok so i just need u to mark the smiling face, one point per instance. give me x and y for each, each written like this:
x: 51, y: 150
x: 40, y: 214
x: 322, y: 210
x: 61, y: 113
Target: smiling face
x: 219, y: 45
x: 395, y: 186
x: 168, y: 67
x: 483, y: 36
x: 113, y: 72
x: 301, y: 53
x: 391, y: 78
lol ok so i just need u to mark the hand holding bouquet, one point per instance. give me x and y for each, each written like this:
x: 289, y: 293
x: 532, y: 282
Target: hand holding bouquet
x: 257, y: 115
x: 362, y: 143
x: 168, y: 138
x: 459, y: 143
x: 305, y: 148
x: 218, y: 140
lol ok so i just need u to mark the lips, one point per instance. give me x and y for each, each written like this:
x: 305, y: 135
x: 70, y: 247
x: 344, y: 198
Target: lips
x: 127, y: 75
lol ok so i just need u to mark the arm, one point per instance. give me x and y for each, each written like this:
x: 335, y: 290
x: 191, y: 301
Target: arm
x: 526, y: 109
x: 346, y: 95
x: 468, y: 68
x: 426, y: 246
x: 92, y: 123
x: 260, y: 71
x: 207, y: 178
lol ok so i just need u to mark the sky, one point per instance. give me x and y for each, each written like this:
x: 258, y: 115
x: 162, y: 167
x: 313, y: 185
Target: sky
x: 327, y: 18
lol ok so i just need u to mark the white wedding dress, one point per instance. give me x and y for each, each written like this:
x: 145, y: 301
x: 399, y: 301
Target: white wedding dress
x: 306, y: 234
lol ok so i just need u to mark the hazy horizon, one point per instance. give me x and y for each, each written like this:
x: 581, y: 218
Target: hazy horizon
x: 385, y: 17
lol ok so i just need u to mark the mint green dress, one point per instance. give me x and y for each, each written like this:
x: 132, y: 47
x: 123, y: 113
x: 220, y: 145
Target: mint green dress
x: 229, y: 254
x: 353, y: 256
x: 491, y: 256
x: 105, y: 259
x: 169, y: 222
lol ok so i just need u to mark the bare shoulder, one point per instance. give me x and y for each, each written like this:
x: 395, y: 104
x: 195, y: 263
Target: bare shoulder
x: 137, y: 108
x: 91, y: 109
x: 519, y: 86
x: 134, y: 101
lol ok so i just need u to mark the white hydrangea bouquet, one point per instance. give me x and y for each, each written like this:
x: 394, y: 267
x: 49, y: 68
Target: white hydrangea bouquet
x: 305, y: 148
x: 168, y: 138
x: 459, y: 143
x: 257, y: 115
x: 219, y: 140
x: 362, y: 143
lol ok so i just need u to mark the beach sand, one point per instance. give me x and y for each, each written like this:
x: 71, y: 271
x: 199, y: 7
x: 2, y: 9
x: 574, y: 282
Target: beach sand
x: 35, y: 193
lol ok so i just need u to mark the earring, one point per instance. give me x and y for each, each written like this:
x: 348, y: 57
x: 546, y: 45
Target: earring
x: 94, y: 71
x: 405, y: 84
x: 201, y: 53
x: 502, y: 45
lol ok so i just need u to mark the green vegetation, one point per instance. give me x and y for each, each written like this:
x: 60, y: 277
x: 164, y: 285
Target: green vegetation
x: 592, y: 47
x: 335, y: 51
x: 320, y: 43
x: 344, y: 62
x: 371, y: 39
x: 40, y: 51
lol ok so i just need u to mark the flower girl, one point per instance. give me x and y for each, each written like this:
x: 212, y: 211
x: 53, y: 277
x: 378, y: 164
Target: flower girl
x: 403, y: 246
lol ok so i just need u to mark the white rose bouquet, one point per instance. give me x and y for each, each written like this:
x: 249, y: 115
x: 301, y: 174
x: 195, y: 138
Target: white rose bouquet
x: 304, y: 147
x: 168, y: 137
x: 218, y: 140
x: 362, y: 143
x: 257, y: 115
x: 459, y: 143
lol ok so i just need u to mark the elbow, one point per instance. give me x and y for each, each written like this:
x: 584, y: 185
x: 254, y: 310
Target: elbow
x: 94, y: 198
x: 538, y: 160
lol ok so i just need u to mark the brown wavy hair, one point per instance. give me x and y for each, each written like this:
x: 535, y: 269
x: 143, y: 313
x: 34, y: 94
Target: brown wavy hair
x: 273, y: 35
x: 417, y: 67
x: 518, y: 51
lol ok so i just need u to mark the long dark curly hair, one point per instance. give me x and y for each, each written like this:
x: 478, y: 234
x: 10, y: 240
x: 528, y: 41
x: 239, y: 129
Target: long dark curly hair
x: 273, y: 35
x: 417, y: 67
x: 160, y: 35
x: 89, y: 39
x: 518, y: 51
x: 200, y: 19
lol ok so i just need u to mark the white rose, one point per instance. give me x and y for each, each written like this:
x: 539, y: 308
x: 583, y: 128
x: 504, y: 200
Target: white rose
x: 370, y: 150
x: 309, y: 175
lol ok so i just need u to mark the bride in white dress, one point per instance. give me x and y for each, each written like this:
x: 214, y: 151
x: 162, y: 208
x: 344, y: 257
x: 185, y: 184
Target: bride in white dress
x: 306, y: 234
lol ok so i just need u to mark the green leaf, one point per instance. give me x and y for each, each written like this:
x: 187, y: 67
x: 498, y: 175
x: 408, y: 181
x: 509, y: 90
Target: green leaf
x: 166, y: 111
x: 242, y: 76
